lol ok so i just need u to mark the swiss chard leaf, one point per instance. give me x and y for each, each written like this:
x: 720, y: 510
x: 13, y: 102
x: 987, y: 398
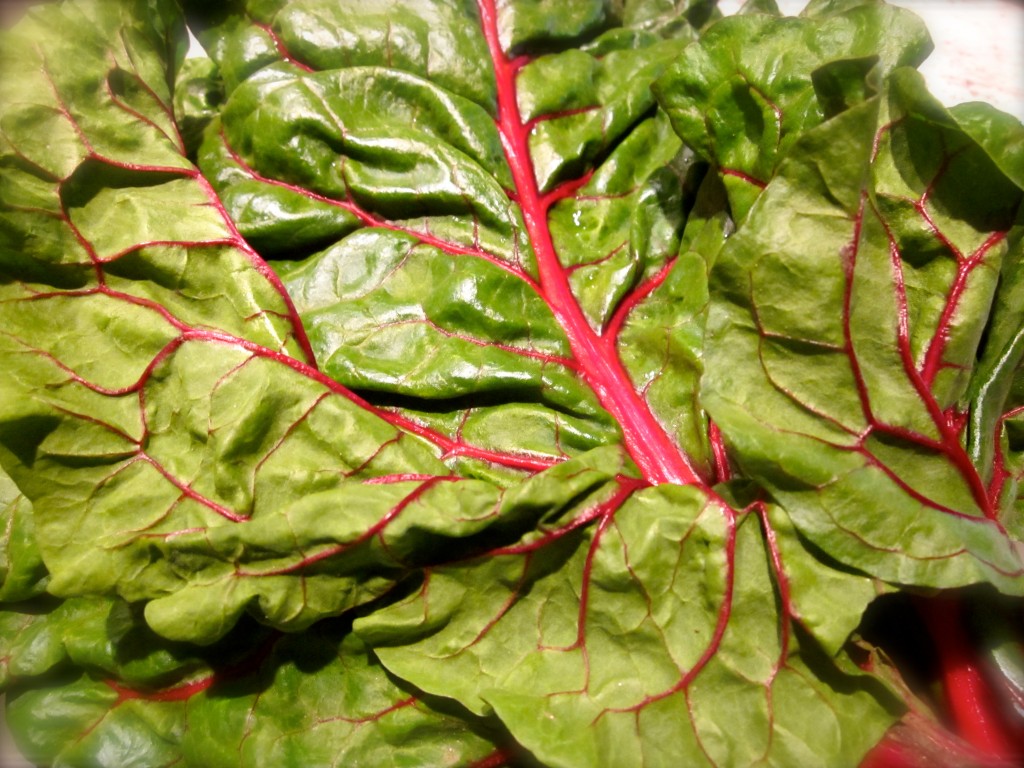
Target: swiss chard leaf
x: 845, y: 401
x: 755, y: 83
x: 646, y: 639
x: 22, y: 573
x: 321, y: 698
x: 109, y: 425
x: 88, y: 683
x: 471, y: 399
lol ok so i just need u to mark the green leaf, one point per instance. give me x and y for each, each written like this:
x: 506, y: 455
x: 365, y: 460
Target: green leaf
x: 88, y: 683
x: 608, y: 448
x: 995, y: 392
x: 755, y: 83
x: 198, y: 93
x: 22, y: 573
x: 825, y: 599
x: 98, y: 372
x: 321, y: 698
x: 86, y: 723
x: 842, y: 400
x: 632, y: 640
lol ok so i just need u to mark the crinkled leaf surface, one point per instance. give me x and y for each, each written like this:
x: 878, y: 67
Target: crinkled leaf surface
x: 85, y: 722
x: 165, y: 386
x: 647, y: 639
x: 22, y: 573
x: 320, y: 698
x: 110, y: 420
x: 500, y: 239
x: 469, y: 398
x: 996, y: 391
x: 845, y: 401
x: 88, y: 683
x: 755, y: 82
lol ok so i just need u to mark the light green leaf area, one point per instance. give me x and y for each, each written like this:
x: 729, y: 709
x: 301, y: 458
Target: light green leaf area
x: 631, y: 641
x: 108, y: 502
x: 996, y: 391
x: 277, y: 220
x: 755, y: 83
x: 662, y: 341
x: 88, y: 683
x: 582, y: 103
x: 624, y: 224
x: 22, y: 573
x: 422, y: 291
x: 380, y: 145
x: 147, y: 387
x: 35, y: 242
x: 828, y: 600
x: 319, y: 699
x: 88, y: 341
x: 841, y: 399
x: 394, y: 316
x: 85, y: 722
x: 949, y: 208
x: 308, y: 563
x: 119, y: 205
x: 106, y: 637
x: 239, y: 494
x: 427, y: 38
x: 57, y: 114
x: 82, y: 679
x: 661, y: 346
x: 116, y: 219
x: 470, y: 353
x: 28, y: 647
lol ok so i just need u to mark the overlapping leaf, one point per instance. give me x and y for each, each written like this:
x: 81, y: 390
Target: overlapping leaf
x: 649, y: 638
x: 845, y: 400
x: 22, y: 573
x: 88, y: 683
x: 91, y: 685
x: 756, y: 82
x: 501, y: 239
x: 320, y: 698
x: 136, y: 373
x: 504, y: 278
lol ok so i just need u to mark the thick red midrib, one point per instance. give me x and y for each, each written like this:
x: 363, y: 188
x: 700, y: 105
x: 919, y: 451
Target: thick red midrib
x: 979, y: 716
x: 658, y: 456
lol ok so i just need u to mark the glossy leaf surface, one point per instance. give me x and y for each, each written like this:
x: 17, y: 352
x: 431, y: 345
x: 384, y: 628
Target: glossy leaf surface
x: 603, y: 364
x: 632, y: 641
x: 844, y: 401
x: 743, y: 95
